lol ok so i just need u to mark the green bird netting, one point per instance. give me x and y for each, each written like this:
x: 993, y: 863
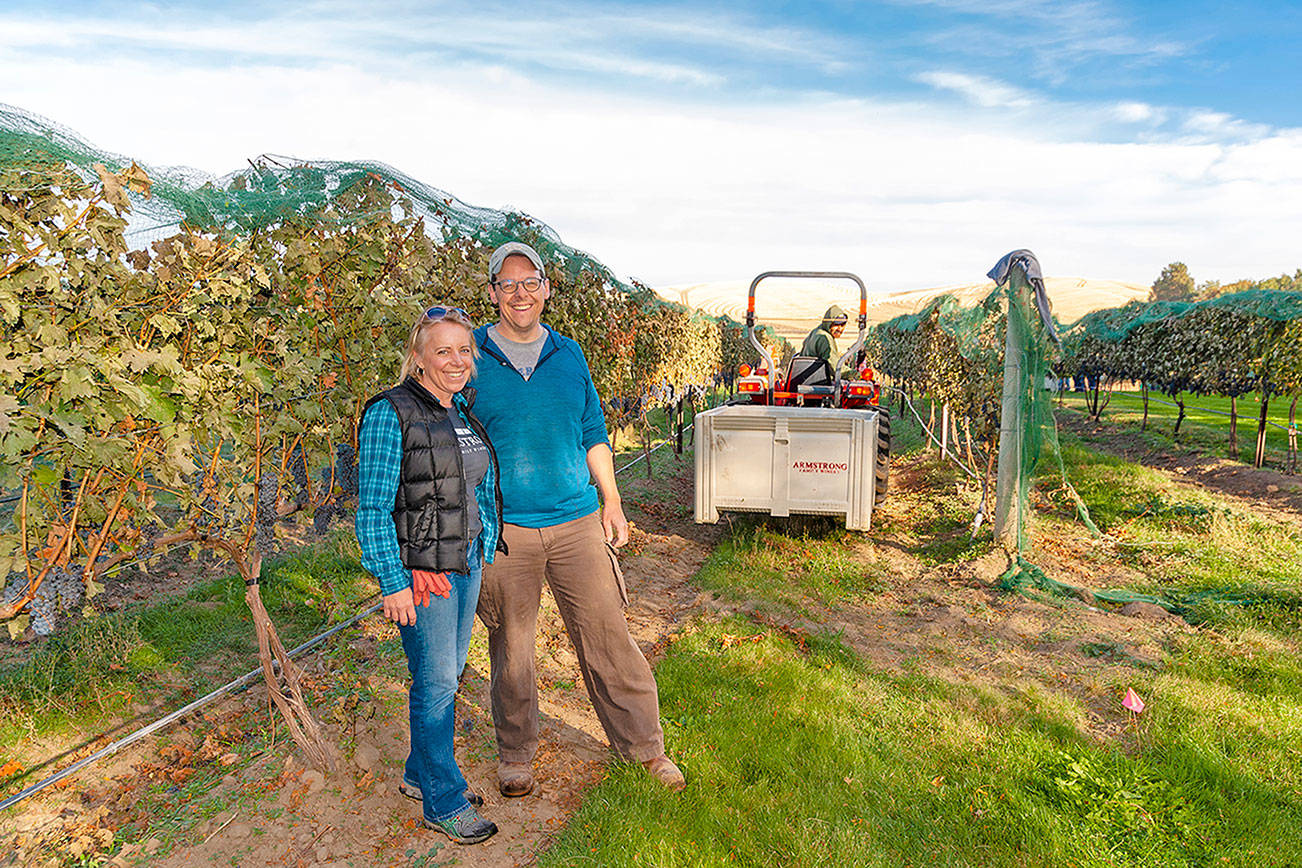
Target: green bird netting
x: 273, y: 188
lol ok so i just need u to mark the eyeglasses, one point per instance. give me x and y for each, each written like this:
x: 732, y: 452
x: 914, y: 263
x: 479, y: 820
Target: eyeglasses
x: 438, y: 311
x: 530, y: 284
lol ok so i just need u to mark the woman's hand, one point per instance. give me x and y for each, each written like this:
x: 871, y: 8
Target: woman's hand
x: 399, y: 608
x: 424, y: 583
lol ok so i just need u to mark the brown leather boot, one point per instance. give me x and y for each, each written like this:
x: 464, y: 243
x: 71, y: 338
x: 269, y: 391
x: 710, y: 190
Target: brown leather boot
x: 514, y: 779
x: 662, y: 768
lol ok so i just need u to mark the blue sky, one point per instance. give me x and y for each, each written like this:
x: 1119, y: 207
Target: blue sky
x: 912, y: 141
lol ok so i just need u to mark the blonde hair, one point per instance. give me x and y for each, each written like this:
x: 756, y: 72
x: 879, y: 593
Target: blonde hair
x: 420, y: 334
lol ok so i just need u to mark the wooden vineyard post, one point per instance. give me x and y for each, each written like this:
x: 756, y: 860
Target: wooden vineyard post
x: 1260, y: 458
x: 1234, y: 427
x: 678, y: 425
x: 944, y: 432
x: 1008, y: 478
x: 691, y: 406
x: 1291, y: 464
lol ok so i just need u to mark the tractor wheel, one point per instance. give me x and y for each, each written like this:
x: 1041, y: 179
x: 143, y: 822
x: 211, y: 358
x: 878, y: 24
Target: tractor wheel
x: 882, y: 468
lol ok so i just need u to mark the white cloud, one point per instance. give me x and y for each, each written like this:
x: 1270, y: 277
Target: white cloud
x: 1137, y: 112
x: 1056, y: 35
x: 1219, y: 126
x: 985, y: 92
x: 570, y: 38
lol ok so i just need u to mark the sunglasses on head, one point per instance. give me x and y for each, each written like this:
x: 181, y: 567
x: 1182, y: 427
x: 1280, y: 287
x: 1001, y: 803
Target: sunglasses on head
x: 438, y: 311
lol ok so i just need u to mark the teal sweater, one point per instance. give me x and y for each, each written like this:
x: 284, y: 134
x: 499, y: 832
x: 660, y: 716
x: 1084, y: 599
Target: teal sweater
x: 542, y: 429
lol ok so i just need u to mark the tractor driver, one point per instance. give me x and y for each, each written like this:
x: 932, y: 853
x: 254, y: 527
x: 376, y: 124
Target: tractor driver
x: 821, y: 341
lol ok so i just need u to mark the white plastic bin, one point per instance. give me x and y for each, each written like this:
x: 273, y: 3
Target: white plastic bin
x: 786, y: 461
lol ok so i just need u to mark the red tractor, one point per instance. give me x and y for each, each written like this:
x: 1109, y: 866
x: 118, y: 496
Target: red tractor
x: 810, y: 381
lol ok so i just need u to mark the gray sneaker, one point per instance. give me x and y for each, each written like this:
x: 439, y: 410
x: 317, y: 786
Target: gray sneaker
x: 466, y: 827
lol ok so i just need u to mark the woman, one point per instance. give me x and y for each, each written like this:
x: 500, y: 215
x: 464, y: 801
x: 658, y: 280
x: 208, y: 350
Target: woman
x: 428, y: 517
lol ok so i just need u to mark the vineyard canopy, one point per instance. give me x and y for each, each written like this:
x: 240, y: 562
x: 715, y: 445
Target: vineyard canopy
x: 1117, y: 323
x: 275, y: 188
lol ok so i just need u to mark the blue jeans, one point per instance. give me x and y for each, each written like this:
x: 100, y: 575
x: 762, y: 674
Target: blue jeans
x: 436, y: 647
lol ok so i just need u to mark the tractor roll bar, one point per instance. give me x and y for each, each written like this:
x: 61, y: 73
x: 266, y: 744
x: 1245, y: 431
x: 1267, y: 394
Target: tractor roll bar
x: 832, y: 275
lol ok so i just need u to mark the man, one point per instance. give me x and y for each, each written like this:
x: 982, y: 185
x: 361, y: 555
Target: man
x: 538, y: 403
x: 821, y: 341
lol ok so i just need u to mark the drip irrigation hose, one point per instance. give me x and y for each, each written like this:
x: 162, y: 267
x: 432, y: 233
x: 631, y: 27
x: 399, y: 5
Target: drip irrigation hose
x: 1247, y: 417
x: 923, y: 425
x: 163, y: 721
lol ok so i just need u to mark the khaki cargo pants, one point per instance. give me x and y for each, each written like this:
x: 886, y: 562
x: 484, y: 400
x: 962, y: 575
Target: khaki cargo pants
x: 584, y: 579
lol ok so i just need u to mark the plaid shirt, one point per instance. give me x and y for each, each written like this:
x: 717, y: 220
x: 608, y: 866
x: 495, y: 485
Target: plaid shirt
x: 379, y: 467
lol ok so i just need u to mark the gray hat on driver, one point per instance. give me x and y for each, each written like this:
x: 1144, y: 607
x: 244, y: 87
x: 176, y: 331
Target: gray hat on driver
x: 512, y: 248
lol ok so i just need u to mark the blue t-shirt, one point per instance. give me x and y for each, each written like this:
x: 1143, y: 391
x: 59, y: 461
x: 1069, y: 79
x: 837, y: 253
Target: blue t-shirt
x: 542, y: 429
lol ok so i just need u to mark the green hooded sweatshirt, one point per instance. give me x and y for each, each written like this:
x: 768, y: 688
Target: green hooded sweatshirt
x: 820, y: 341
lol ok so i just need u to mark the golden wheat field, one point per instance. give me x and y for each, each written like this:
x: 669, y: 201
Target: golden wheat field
x: 793, y: 307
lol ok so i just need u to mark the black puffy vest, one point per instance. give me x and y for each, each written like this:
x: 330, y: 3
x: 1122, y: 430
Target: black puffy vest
x: 430, y: 511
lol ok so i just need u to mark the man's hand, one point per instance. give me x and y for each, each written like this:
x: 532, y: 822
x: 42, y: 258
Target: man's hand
x: 399, y: 608
x: 424, y: 583
x: 601, y: 463
x: 614, y: 523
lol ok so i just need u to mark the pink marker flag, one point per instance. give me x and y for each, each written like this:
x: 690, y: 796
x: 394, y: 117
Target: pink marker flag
x: 1133, y: 702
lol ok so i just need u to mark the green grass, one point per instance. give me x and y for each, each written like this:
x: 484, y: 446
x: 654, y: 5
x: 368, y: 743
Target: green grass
x: 937, y: 525
x: 1208, y: 432
x: 758, y: 561
x: 1231, y: 566
x: 809, y: 759
x: 174, y: 648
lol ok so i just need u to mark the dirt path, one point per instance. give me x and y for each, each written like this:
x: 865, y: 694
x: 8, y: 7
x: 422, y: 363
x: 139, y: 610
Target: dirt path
x: 1265, y: 490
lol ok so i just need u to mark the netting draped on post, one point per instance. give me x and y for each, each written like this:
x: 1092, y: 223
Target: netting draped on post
x: 990, y: 363
x: 1027, y: 424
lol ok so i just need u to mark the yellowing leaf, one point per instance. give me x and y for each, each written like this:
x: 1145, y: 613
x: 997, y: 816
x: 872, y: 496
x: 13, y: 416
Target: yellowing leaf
x: 17, y: 625
x: 114, y: 193
x: 8, y: 408
x: 137, y: 180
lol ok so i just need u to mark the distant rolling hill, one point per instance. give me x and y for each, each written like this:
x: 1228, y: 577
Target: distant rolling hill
x: 793, y: 307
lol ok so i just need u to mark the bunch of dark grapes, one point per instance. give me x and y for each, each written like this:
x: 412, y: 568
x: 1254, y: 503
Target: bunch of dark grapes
x: 321, y: 519
x: 67, y: 492
x: 44, y: 609
x: 15, y: 587
x: 67, y: 585
x: 298, y: 469
x: 325, y: 512
x: 149, y: 535
x: 346, y: 469
x: 208, y: 504
x: 268, y: 486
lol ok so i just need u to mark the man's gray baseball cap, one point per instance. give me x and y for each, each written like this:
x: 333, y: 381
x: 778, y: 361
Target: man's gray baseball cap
x: 512, y: 248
